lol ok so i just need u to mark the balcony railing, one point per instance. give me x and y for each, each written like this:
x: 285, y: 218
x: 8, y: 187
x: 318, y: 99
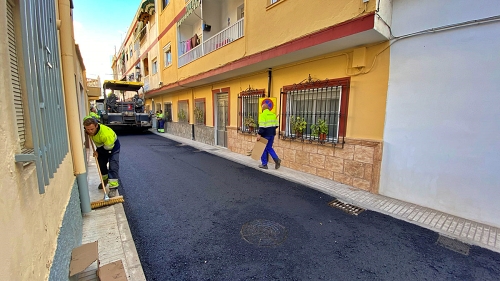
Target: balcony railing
x: 224, y: 37
x: 145, y: 80
x: 219, y: 40
x: 190, y: 55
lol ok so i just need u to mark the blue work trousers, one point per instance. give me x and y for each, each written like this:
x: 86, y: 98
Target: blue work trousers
x: 113, y: 159
x: 269, y: 150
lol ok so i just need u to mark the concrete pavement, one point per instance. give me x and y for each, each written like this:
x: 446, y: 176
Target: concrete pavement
x: 108, y: 226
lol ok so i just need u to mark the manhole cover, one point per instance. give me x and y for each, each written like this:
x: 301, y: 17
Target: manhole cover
x: 348, y: 208
x: 263, y: 233
x: 454, y: 245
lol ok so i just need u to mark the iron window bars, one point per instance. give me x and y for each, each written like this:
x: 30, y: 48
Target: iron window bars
x: 199, y: 112
x: 44, y: 89
x: 315, y: 101
x: 249, y: 107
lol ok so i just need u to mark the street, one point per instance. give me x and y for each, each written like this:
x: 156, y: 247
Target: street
x: 196, y: 216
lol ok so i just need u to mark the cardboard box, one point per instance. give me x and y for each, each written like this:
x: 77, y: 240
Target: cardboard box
x: 258, y: 149
x: 83, y: 256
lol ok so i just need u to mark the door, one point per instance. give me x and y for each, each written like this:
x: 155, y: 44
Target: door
x: 222, y: 120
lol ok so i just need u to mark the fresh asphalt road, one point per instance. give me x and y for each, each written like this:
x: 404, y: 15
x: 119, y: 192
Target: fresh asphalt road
x: 186, y: 209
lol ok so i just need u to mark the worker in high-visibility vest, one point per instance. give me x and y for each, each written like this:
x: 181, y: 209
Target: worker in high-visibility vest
x: 93, y: 114
x: 161, y: 122
x: 268, y: 122
x: 107, y: 152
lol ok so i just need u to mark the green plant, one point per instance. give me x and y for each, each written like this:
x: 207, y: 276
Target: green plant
x: 182, y: 115
x: 297, y: 124
x: 320, y: 128
x: 199, y: 115
x: 250, y: 122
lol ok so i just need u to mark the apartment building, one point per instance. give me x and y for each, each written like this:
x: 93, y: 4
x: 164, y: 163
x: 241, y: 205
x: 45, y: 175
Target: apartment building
x: 322, y: 63
x: 44, y: 178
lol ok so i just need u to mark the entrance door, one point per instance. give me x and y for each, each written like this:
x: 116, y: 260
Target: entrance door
x: 222, y: 120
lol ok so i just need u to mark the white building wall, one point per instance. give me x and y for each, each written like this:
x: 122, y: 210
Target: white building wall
x: 442, y: 131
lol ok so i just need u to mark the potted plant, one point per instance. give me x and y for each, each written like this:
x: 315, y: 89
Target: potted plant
x: 298, y: 125
x: 199, y: 115
x: 320, y: 129
x: 182, y: 115
x: 250, y: 123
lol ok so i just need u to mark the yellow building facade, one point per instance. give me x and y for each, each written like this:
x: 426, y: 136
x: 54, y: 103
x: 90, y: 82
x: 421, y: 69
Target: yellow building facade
x: 314, y: 60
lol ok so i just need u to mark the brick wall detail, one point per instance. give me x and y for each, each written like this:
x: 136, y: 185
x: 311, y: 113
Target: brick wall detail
x: 357, y: 164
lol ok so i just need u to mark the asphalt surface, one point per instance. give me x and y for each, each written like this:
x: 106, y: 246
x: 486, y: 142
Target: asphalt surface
x: 186, y: 209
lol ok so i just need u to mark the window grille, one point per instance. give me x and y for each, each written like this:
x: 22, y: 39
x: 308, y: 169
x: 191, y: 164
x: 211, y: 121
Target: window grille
x: 183, y: 111
x: 42, y: 69
x: 199, y: 112
x: 249, y: 109
x: 315, y: 102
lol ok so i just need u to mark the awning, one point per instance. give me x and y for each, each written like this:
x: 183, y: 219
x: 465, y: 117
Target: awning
x: 146, y: 11
x: 190, y: 7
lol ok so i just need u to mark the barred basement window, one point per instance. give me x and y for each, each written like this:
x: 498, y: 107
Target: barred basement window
x: 315, y: 111
x: 249, y: 108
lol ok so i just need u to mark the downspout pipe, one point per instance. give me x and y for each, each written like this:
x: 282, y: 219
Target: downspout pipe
x: 71, y: 103
x: 269, y: 77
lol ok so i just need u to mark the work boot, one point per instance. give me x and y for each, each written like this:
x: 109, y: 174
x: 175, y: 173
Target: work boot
x: 100, y: 185
x: 277, y: 163
x: 263, y: 167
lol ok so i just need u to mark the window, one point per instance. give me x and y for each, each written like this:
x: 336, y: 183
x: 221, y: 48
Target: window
x: 240, y: 12
x: 183, y: 111
x: 249, y: 110
x: 146, y: 67
x: 131, y: 52
x: 44, y: 90
x: 323, y: 107
x: 154, y: 67
x: 199, y: 111
x: 167, y: 52
x: 168, y: 112
x: 165, y: 3
x: 273, y: 1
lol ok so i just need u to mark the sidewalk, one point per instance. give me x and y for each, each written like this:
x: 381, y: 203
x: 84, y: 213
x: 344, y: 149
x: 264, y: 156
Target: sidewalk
x: 467, y: 231
x: 109, y: 226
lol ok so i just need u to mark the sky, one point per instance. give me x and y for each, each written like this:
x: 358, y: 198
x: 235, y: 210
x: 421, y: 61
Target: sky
x: 100, y: 27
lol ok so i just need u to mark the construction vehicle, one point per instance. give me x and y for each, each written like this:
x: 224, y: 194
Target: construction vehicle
x: 121, y: 113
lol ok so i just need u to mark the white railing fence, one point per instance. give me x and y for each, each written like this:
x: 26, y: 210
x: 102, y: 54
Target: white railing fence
x: 224, y: 37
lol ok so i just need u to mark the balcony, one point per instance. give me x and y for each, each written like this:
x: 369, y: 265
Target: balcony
x: 219, y: 40
x: 93, y: 88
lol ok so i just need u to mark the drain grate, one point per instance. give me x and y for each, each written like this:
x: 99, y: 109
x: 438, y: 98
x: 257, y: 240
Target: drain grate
x: 180, y: 144
x: 348, y: 208
x: 197, y: 150
x: 263, y: 233
x: 453, y: 244
x: 213, y: 149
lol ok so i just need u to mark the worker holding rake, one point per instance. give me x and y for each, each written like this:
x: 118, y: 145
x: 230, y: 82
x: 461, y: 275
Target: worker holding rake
x: 107, y: 152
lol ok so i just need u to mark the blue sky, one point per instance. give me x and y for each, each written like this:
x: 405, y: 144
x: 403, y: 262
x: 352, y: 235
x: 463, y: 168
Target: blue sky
x: 99, y: 27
